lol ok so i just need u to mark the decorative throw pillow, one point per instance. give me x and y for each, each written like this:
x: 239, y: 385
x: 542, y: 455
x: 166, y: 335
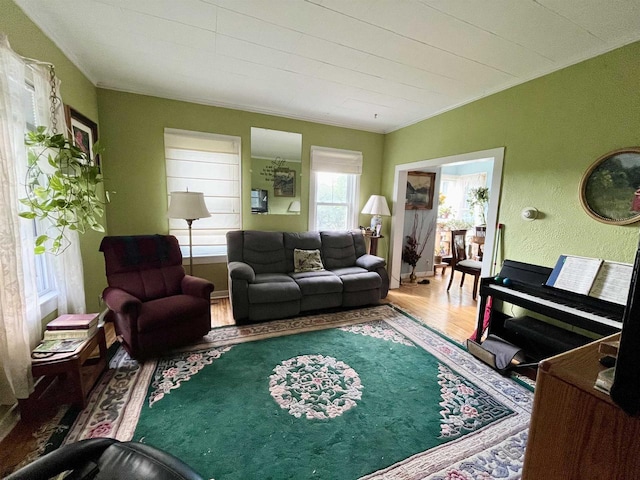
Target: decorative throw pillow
x: 307, y: 261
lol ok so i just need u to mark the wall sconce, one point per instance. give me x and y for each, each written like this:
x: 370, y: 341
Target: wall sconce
x: 529, y: 213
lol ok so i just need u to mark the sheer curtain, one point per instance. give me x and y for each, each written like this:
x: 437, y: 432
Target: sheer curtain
x: 19, y: 307
x: 20, y: 319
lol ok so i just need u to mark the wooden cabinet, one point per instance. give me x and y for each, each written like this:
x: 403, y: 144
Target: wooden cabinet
x: 578, y: 432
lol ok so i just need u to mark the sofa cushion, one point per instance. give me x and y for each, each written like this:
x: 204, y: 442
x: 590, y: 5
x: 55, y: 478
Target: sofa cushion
x: 317, y: 283
x: 264, y: 251
x: 348, y: 271
x: 361, y: 281
x: 146, y: 266
x: 307, y: 261
x: 470, y: 264
x: 338, y: 249
x: 273, y: 287
x: 161, y: 314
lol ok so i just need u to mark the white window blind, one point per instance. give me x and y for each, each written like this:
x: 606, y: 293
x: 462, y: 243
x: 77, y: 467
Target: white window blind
x: 335, y: 186
x: 207, y: 163
x: 334, y: 160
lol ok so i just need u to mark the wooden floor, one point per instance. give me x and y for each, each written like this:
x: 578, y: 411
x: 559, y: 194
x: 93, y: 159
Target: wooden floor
x: 451, y: 313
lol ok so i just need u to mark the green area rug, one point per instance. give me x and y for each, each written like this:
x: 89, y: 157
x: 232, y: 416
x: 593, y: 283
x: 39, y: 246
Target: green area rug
x: 368, y: 393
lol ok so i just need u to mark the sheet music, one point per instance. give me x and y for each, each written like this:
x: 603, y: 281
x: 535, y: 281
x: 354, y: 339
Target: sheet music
x: 577, y: 274
x: 612, y: 282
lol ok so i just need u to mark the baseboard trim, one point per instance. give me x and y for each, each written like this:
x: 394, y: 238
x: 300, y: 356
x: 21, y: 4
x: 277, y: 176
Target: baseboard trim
x: 405, y: 276
x: 220, y: 294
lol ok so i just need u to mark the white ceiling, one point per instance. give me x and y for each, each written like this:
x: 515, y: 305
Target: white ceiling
x: 375, y: 65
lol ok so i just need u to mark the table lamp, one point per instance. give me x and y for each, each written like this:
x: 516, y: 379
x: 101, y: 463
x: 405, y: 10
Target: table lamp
x: 189, y: 206
x: 376, y: 206
x: 294, y: 207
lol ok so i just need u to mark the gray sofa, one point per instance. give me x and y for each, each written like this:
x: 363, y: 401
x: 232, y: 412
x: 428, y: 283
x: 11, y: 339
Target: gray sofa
x: 263, y: 284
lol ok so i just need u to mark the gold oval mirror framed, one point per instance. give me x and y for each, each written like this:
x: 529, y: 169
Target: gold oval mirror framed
x: 610, y: 188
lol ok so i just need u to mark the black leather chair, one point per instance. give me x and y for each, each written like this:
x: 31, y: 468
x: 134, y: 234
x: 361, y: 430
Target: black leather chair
x: 107, y: 459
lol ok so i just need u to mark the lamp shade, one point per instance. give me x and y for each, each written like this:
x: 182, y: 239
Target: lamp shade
x: 376, y: 205
x: 187, y: 205
x: 294, y: 207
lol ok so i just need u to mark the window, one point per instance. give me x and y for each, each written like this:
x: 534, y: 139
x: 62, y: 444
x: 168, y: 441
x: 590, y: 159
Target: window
x: 455, y: 189
x: 335, y: 187
x: 207, y: 163
x: 45, y: 279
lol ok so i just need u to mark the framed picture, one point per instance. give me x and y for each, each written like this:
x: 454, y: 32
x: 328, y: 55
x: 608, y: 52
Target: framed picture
x: 610, y: 188
x: 420, y: 188
x: 284, y: 182
x: 82, y: 131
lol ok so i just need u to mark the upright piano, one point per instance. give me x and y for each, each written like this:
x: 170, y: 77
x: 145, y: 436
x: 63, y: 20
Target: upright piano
x: 526, y: 288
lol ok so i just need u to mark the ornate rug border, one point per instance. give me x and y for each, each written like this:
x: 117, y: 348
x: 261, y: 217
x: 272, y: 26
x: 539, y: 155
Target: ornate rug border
x: 452, y: 353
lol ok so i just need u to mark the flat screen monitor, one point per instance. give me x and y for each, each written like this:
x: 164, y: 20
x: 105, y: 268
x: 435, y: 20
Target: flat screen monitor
x: 259, y: 201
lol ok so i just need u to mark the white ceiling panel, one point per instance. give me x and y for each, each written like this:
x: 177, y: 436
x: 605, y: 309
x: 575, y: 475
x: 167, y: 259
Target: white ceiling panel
x: 257, y: 31
x: 525, y: 23
x: 199, y: 14
x: 610, y: 20
x: 375, y: 65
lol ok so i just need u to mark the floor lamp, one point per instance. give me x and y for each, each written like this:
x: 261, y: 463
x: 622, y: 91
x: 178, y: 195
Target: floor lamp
x: 189, y: 206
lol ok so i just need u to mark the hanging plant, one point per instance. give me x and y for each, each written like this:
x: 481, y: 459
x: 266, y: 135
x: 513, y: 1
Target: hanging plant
x: 62, y: 189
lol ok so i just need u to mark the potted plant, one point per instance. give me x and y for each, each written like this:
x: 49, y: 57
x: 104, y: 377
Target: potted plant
x: 479, y: 197
x: 62, y: 188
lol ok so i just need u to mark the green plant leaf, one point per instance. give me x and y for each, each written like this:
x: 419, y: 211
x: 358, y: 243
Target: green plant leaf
x: 32, y: 157
x: 39, y: 250
x: 68, y: 193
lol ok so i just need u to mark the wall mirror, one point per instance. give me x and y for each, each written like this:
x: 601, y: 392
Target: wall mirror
x: 610, y: 188
x: 276, y: 168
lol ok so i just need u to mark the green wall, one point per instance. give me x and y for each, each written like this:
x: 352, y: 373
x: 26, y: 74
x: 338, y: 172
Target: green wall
x: 132, y: 131
x: 553, y: 128
x: 28, y: 40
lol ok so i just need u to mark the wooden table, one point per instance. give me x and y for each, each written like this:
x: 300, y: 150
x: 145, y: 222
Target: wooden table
x: 578, y: 432
x: 443, y: 266
x: 66, y: 377
x: 373, y: 248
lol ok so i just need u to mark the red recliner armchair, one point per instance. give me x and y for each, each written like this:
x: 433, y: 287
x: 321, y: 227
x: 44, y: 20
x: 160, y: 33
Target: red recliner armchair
x: 154, y: 305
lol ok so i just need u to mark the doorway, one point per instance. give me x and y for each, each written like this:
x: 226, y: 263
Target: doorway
x: 494, y: 156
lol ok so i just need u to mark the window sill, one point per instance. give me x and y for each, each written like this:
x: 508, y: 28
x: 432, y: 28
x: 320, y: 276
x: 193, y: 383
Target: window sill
x: 48, y: 303
x: 205, y: 259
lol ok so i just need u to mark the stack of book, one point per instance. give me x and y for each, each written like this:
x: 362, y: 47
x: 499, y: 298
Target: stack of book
x: 66, y: 334
x: 80, y: 326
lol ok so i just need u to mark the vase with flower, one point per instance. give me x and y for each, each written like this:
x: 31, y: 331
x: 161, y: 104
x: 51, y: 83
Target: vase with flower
x: 416, y: 243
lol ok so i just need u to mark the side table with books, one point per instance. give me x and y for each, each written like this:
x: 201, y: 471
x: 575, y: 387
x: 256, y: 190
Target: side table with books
x: 66, y: 369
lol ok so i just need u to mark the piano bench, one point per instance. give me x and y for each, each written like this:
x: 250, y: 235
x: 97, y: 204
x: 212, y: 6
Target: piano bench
x: 541, y: 339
